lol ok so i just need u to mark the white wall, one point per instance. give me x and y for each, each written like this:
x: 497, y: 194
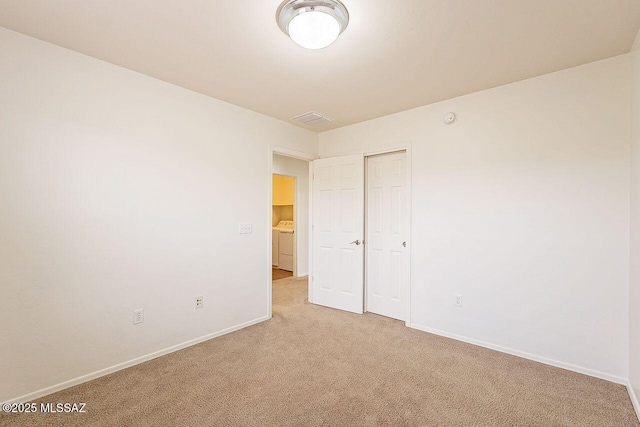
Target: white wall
x: 110, y: 187
x: 521, y: 206
x: 634, y: 289
x: 300, y: 169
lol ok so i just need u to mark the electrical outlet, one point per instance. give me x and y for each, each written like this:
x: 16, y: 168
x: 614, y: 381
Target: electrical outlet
x: 244, y: 228
x: 199, y: 302
x: 138, y: 316
x: 458, y: 302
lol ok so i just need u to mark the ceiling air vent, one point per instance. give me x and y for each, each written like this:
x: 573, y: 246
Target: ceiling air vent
x: 312, y: 119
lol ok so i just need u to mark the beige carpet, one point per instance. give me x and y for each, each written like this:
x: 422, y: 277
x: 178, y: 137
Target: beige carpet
x: 312, y: 365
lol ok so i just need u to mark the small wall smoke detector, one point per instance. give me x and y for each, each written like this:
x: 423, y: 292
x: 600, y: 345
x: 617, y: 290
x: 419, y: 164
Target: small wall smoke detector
x: 449, y: 118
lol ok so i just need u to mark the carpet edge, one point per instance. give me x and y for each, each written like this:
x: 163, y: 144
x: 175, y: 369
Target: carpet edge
x: 536, y: 358
x: 127, y: 364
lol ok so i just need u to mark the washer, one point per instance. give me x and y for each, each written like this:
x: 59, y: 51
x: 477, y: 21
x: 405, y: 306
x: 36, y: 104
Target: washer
x: 282, y: 245
x: 275, y: 239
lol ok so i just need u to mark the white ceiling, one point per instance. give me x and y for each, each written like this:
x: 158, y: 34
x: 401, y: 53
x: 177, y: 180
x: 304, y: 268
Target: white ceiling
x: 394, y: 55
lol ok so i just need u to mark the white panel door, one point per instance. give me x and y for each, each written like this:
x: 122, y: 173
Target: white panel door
x: 338, y: 231
x: 387, y: 272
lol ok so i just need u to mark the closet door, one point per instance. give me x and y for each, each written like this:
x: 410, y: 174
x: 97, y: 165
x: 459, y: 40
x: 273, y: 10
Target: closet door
x: 338, y: 231
x: 387, y: 255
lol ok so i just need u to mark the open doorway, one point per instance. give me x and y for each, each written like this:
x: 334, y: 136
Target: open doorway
x: 283, y: 244
x: 290, y: 219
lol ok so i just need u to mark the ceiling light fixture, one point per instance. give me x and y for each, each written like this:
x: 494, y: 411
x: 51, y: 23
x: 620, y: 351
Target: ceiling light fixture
x: 312, y: 24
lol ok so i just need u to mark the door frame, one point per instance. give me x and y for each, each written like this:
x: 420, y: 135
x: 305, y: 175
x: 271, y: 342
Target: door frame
x: 392, y: 148
x: 407, y: 290
x: 299, y: 155
x: 405, y: 146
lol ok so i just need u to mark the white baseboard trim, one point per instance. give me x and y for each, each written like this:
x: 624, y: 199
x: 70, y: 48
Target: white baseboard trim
x: 120, y: 366
x: 568, y: 366
x: 634, y: 399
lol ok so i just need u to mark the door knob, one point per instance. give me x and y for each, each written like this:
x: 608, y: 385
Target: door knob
x: 404, y: 244
x: 356, y: 242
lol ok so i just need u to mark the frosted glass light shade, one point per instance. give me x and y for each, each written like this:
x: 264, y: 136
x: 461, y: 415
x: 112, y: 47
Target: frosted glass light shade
x: 312, y: 24
x: 314, y: 30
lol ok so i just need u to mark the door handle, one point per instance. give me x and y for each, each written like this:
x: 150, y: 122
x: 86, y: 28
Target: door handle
x: 404, y: 244
x: 355, y: 242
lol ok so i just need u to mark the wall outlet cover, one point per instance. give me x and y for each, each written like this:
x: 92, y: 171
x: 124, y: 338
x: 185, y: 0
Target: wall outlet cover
x: 138, y: 316
x: 245, y: 228
x: 458, y: 301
